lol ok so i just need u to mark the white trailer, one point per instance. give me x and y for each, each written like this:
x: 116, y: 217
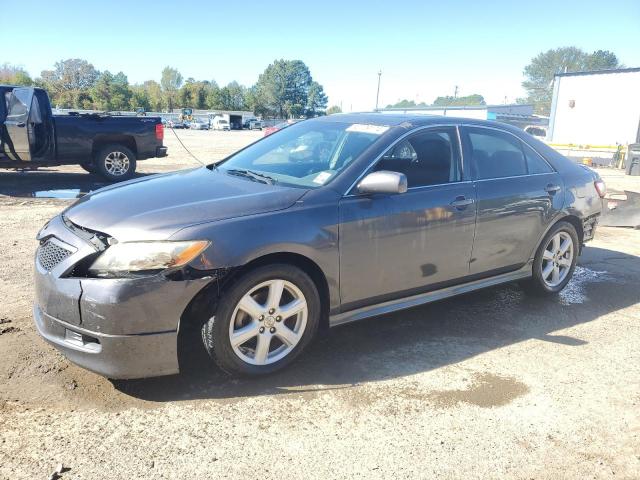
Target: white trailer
x: 596, y: 109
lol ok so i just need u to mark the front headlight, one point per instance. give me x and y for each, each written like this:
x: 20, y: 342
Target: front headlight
x: 122, y: 258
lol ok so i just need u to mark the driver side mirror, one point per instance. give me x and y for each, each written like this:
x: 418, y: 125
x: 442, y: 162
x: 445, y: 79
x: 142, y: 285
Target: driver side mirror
x: 383, y: 182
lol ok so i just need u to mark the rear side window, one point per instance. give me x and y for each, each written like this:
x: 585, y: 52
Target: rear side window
x: 427, y: 158
x: 535, y: 163
x: 496, y: 154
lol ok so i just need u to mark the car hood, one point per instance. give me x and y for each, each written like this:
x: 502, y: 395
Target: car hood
x: 155, y: 207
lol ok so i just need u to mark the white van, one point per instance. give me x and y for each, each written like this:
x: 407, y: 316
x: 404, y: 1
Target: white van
x: 220, y: 123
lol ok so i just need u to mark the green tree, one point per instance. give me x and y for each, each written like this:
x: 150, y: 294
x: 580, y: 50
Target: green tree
x: 449, y: 101
x: 154, y: 93
x: 193, y: 94
x: 111, y: 92
x: 232, y: 96
x: 14, y: 75
x: 170, y: 81
x: 539, y: 74
x: 316, y: 100
x: 404, y: 104
x: 333, y: 109
x: 283, y: 88
x: 212, y: 96
x: 139, y: 98
x: 69, y: 82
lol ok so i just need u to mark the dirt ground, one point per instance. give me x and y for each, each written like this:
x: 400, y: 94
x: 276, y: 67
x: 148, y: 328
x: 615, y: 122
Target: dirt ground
x: 494, y: 384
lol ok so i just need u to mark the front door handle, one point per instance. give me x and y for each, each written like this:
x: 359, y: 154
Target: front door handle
x: 552, y: 189
x: 461, y: 202
x: 21, y: 124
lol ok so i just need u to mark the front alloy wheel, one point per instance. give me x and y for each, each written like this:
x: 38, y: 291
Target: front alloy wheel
x: 268, y: 322
x: 263, y: 320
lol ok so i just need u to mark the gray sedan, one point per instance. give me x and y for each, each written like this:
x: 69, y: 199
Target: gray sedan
x: 329, y: 221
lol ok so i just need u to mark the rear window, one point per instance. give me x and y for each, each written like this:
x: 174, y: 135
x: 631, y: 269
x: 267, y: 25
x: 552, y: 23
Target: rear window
x: 496, y: 154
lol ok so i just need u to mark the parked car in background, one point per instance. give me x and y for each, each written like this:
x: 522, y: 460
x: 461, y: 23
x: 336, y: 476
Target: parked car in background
x: 536, y: 131
x: 255, y: 125
x: 198, y: 125
x: 274, y: 128
x: 31, y: 136
x: 220, y: 124
x: 332, y: 220
x: 252, y: 124
x: 176, y: 124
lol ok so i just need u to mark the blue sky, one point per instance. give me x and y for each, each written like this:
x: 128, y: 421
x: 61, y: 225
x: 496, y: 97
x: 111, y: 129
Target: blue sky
x: 424, y: 48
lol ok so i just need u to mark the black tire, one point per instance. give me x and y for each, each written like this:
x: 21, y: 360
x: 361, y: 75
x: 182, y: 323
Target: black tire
x: 215, y: 332
x: 106, y: 156
x: 536, y: 284
x: 88, y: 167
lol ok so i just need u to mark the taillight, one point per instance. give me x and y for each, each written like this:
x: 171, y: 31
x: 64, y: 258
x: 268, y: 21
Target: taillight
x: 601, y: 188
x: 160, y: 131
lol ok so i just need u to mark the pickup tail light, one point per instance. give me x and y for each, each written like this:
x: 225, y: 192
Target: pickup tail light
x: 160, y: 131
x: 601, y: 188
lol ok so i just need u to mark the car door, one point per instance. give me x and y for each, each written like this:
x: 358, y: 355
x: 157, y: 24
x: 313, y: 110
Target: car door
x: 393, y: 246
x: 16, y: 143
x: 518, y: 195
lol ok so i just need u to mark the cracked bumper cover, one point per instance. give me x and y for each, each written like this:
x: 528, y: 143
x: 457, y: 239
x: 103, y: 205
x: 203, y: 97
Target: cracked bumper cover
x: 119, y: 328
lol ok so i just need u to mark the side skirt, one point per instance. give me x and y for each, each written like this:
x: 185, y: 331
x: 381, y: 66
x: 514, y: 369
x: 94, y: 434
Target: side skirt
x: 424, y: 298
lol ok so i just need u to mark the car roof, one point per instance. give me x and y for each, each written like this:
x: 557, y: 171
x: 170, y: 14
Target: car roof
x: 409, y: 120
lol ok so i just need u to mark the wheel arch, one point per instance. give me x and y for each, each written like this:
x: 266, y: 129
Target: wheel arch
x: 568, y: 217
x: 204, y: 303
x: 101, y: 141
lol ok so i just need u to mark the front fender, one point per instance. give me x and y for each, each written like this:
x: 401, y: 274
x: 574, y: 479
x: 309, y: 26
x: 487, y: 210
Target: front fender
x: 310, y: 231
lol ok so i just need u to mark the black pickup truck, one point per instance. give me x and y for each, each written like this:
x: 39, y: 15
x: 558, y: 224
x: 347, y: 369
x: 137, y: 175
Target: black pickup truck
x: 32, y: 137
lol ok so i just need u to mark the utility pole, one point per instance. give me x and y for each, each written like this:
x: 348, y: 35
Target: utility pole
x: 378, y: 93
x: 455, y: 92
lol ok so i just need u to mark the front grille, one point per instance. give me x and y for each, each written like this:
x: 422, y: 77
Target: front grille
x: 51, y: 254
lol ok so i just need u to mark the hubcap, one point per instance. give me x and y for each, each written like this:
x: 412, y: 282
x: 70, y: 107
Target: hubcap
x: 557, y: 259
x: 117, y: 163
x: 255, y: 333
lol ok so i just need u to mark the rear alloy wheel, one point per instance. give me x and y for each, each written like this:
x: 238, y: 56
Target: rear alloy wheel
x: 555, y: 260
x: 115, y: 163
x: 263, y: 321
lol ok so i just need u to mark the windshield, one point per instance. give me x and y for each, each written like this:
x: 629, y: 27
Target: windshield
x: 307, y: 154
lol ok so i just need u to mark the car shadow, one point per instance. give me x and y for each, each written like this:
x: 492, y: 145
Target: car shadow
x: 417, y: 340
x: 51, y: 184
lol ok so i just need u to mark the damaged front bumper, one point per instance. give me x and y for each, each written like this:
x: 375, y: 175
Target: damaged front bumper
x: 119, y: 328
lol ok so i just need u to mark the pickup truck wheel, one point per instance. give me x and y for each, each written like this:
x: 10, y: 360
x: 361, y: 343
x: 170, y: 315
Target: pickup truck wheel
x: 115, y: 163
x: 263, y: 321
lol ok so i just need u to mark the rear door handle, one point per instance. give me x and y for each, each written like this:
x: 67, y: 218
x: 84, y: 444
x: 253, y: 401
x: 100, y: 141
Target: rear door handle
x: 462, y: 202
x: 551, y: 188
x: 21, y: 124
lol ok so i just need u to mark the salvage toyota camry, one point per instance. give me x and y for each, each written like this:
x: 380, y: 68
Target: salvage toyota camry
x: 331, y: 220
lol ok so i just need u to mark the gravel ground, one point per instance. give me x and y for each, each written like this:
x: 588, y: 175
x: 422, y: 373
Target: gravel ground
x: 494, y: 384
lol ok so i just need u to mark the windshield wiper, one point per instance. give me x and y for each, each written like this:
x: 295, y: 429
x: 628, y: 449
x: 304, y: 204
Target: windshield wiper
x: 255, y: 176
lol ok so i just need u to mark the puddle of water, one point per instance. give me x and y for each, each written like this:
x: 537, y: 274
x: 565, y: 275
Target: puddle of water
x: 63, y: 193
x: 486, y: 391
x: 575, y: 291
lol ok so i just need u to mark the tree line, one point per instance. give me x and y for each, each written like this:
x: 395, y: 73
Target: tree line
x: 285, y: 89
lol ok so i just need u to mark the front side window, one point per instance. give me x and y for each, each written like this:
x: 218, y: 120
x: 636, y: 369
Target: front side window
x: 308, y: 154
x: 426, y: 158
